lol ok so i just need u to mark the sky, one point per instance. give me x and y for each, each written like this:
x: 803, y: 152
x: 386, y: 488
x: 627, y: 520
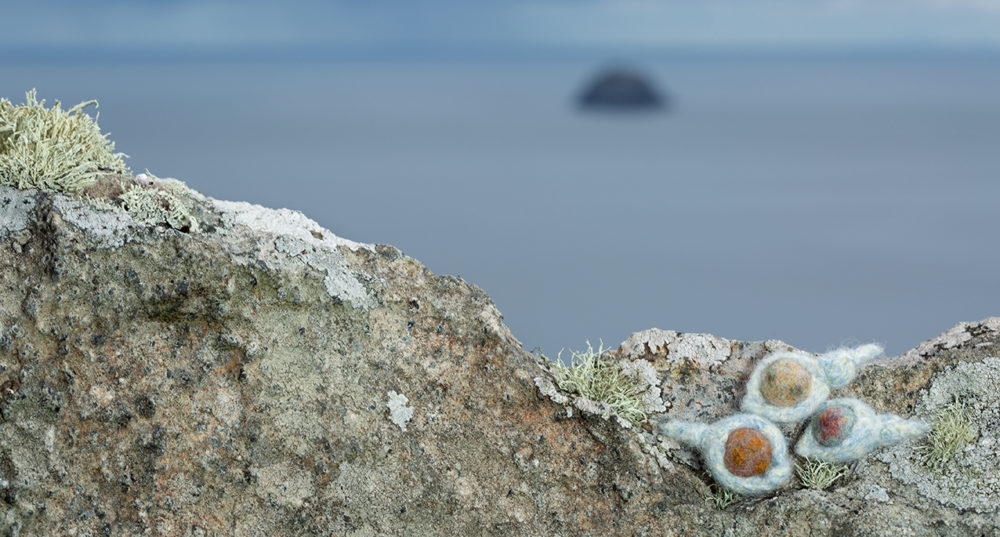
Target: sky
x: 444, y: 24
x: 878, y: 134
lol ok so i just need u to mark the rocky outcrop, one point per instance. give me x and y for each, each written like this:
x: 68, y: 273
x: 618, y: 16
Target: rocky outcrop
x: 621, y: 89
x: 264, y: 377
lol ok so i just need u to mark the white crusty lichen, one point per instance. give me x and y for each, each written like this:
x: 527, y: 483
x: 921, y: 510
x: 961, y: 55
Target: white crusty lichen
x: 399, y: 413
x: 550, y: 390
x: 705, y: 349
x: 340, y: 281
x: 283, y: 222
x: 970, y: 479
x: 109, y: 229
x: 15, y: 209
x: 301, y: 238
x: 877, y: 494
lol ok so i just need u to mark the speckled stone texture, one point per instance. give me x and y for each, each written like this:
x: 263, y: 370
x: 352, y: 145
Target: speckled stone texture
x: 266, y: 378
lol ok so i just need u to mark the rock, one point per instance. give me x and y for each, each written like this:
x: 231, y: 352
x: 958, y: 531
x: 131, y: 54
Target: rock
x: 266, y: 377
x: 620, y: 88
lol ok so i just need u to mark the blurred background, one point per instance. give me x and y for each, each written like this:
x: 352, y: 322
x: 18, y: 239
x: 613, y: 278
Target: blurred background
x: 821, y: 172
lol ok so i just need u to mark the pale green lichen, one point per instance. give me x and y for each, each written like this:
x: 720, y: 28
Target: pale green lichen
x: 631, y: 389
x: 64, y: 151
x: 176, y: 187
x: 100, y: 204
x: 152, y: 206
x: 51, y: 148
x: 953, y: 429
x: 819, y: 475
x: 720, y: 496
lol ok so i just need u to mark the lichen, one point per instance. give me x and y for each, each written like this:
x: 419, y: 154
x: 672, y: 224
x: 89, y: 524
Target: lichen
x: 399, y: 413
x: 953, y: 429
x: 109, y: 229
x: 877, y: 494
x: 100, y: 204
x: 152, y: 206
x: 630, y: 388
x: 819, y: 475
x: 283, y: 222
x: 298, y: 236
x: 971, y: 479
x: 15, y: 210
x: 720, y: 496
x: 51, y: 148
x: 176, y: 187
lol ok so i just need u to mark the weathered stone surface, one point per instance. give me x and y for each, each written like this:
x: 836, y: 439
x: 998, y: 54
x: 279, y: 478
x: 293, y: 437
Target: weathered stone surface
x: 264, y: 377
x: 703, y: 376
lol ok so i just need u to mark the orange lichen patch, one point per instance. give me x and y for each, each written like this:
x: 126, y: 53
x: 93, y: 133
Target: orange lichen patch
x: 785, y: 383
x: 748, y: 452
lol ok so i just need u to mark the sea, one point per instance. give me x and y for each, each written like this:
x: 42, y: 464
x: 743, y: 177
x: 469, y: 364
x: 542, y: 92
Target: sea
x: 823, y: 200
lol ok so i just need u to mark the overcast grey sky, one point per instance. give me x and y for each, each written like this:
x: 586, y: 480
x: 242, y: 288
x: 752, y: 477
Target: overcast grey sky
x: 614, y: 23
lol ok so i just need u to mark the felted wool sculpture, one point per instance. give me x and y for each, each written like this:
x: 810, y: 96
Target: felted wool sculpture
x: 744, y: 453
x: 844, y: 430
x: 787, y: 386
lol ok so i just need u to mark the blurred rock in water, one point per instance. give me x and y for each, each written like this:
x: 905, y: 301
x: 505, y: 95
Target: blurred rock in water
x: 621, y: 88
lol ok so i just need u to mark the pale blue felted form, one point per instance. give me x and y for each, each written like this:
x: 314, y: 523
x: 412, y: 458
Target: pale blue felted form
x: 869, y: 431
x: 828, y: 371
x: 710, y: 440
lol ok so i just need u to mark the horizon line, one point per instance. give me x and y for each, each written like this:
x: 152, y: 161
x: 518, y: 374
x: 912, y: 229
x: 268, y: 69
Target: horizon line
x: 109, y: 53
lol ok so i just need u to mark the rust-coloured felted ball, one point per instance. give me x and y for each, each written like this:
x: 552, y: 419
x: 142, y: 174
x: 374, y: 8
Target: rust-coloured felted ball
x: 785, y: 383
x: 747, y: 453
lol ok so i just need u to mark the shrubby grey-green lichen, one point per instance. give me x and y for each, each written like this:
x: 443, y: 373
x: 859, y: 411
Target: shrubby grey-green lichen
x: 153, y: 206
x: 972, y: 479
x: 65, y: 151
x: 51, y: 148
x: 606, y: 386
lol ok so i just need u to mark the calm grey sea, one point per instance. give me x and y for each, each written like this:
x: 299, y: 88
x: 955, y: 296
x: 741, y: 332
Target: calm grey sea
x: 821, y: 201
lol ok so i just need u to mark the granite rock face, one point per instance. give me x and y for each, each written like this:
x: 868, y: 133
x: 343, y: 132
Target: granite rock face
x: 265, y: 377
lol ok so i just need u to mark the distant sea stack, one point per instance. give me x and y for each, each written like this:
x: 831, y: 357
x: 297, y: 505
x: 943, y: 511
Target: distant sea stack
x: 621, y: 88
